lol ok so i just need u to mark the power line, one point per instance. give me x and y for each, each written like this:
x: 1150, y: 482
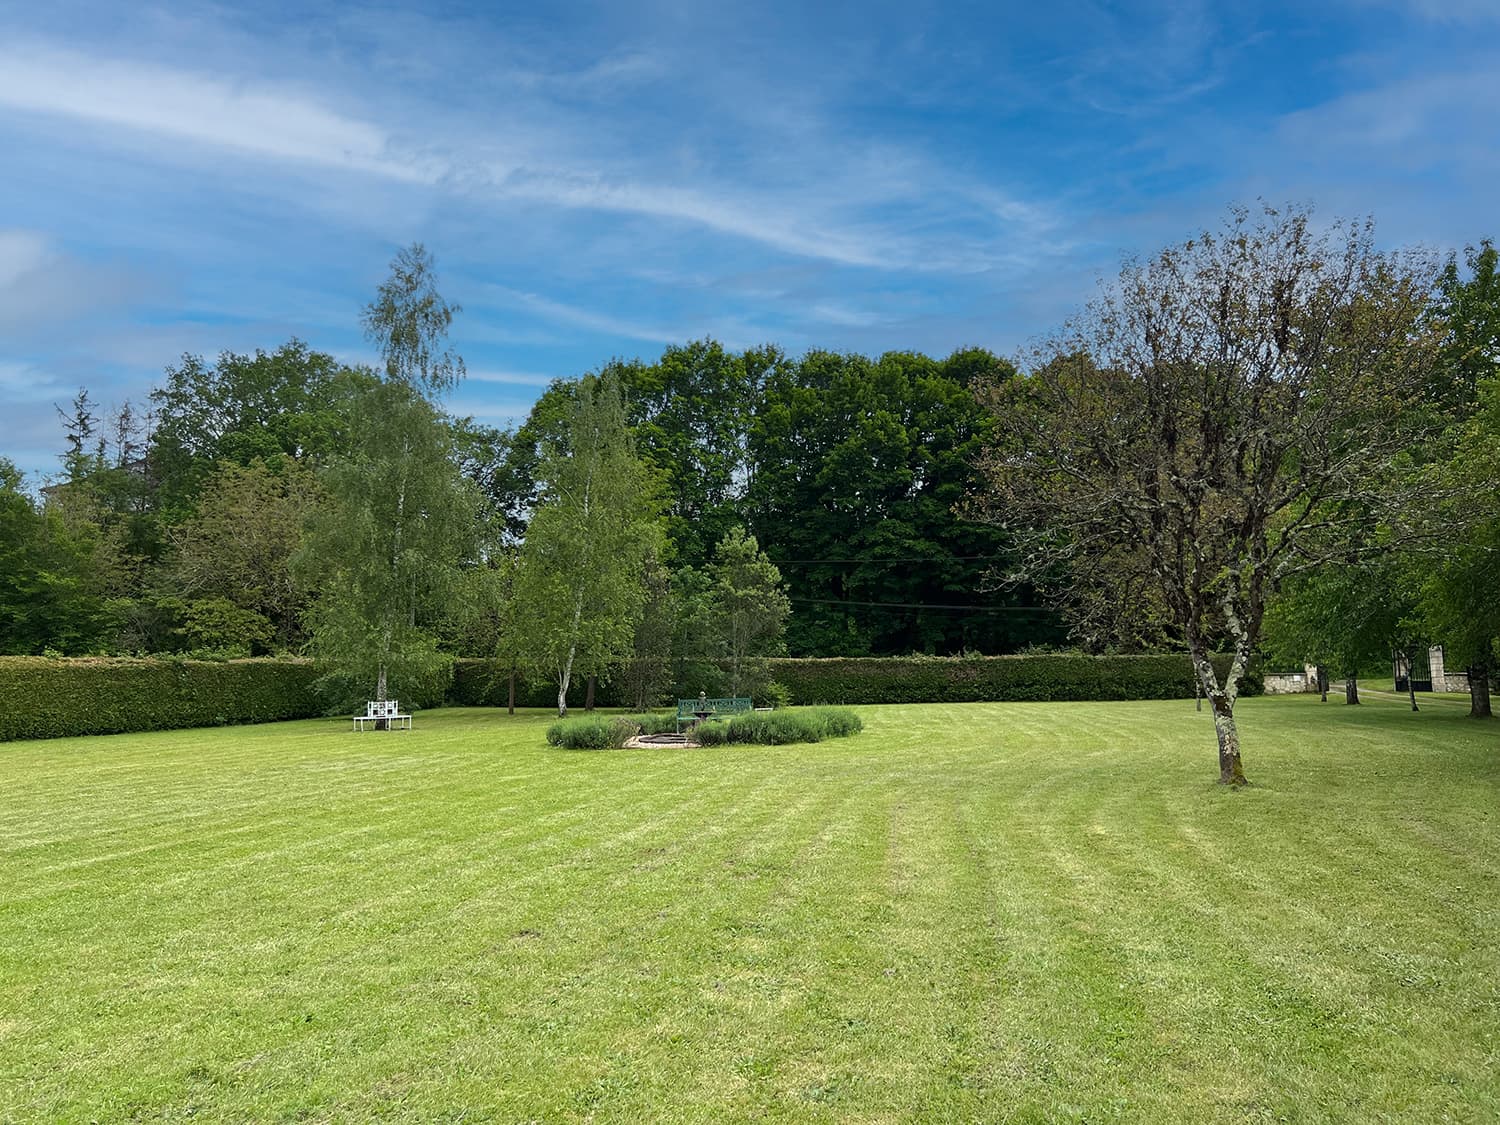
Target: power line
x: 929, y: 605
x: 893, y: 561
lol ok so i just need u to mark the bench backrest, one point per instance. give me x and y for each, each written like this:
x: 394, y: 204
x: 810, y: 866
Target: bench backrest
x: 730, y: 706
x: 382, y: 708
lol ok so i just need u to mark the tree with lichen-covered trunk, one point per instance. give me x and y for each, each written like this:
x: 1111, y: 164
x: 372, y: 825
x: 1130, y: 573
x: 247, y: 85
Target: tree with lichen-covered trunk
x: 1221, y: 419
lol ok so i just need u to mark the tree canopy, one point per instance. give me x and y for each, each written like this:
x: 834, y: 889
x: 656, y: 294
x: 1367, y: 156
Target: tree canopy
x: 1222, y: 418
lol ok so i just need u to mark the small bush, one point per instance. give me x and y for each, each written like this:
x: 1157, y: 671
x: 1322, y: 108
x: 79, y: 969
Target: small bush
x: 839, y: 722
x: 591, y: 732
x: 780, y: 728
x: 715, y: 733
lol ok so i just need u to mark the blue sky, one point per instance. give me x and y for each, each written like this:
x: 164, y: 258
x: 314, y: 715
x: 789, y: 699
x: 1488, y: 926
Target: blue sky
x: 601, y: 180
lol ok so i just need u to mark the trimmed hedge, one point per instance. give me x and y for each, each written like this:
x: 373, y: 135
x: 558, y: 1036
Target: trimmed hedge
x: 992, y: 679
x: 52, y: 698
x: 900, y: 679
x: 55, y: 698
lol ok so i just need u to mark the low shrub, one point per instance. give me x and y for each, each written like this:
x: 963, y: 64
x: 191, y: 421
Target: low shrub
x: 784, y: 727
x: 780, y: 728
x: 591, y: 732
x: 839, y: 722
x: 712, y: 733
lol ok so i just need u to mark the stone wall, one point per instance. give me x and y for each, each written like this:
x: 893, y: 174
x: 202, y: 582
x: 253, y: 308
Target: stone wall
x: 1442, y: 678
x: 1292, y: 683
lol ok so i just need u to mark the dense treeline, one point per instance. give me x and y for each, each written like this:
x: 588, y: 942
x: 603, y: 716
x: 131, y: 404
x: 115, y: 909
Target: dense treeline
x: 175, y: 528
x: 1265, y: 439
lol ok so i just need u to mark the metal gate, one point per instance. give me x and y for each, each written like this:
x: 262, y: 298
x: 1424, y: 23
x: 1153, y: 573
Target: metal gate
x: 1413, y: 670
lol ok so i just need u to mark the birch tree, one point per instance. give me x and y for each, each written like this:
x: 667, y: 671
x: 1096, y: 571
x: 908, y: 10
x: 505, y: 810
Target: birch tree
x: 1222, y: 418
x: 400, y: 516
x: 580, y: 588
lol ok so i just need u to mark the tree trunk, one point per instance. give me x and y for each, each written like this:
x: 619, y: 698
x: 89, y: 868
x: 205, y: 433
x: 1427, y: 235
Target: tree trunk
x: 510, y: 703
x: 1230, y: 770
x: 588, y: 694
x: 1322, y: 674
x: 564, y: 678
x: 1411, y: 688
x: 1221, y: 702
x: 381, y: 724
x: 1351, y: 690
x: 1479, y: 693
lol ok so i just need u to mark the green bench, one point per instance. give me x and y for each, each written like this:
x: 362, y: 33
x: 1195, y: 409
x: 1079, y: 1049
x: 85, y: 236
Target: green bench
x: 695, y: 710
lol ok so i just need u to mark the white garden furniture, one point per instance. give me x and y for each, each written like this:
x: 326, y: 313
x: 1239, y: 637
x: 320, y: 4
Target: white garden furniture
x: 386, y: 709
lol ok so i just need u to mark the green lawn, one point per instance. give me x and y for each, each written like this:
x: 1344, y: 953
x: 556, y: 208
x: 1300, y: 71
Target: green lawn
x: 1024, y: 912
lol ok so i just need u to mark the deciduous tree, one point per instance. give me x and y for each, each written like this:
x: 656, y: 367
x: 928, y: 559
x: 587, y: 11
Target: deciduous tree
x: 398, y: 523
x: 586, y: 544
x: 749, y: 610
x: 1229, y: 411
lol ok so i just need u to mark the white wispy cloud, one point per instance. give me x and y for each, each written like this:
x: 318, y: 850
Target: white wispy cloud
x: 511, y: 378
x: 817, y: 217
x: 603, y: 323
x: 41, y: 285
x: 1461, y: 12
x: 25, y: 382
x: 259, y: 120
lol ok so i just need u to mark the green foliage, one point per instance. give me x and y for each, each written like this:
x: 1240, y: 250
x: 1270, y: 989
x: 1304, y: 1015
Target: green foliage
x: 929, y: 679
x: 242, y: 408
x: 48, y: 589
x: 387, y: 545
x: 218, y: 623
x: 839, y: 722
x: 590, y: 732
x: 780, y: 728
x: 858, y: 467
x: 485, y: 682
x: 1346, y: 617
x: 909, y: 679
x: 239, y: 545
x: 51, y: 698
x: 748, y: 611
x: 691, y: 411
x: 1460, y: 593
x: 586, y: 546
x: 712, y: 733
x: 409, y: 321
x: 646, y: 677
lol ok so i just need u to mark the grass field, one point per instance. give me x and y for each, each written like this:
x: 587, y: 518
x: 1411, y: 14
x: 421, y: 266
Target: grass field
x: 1022, y: 912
